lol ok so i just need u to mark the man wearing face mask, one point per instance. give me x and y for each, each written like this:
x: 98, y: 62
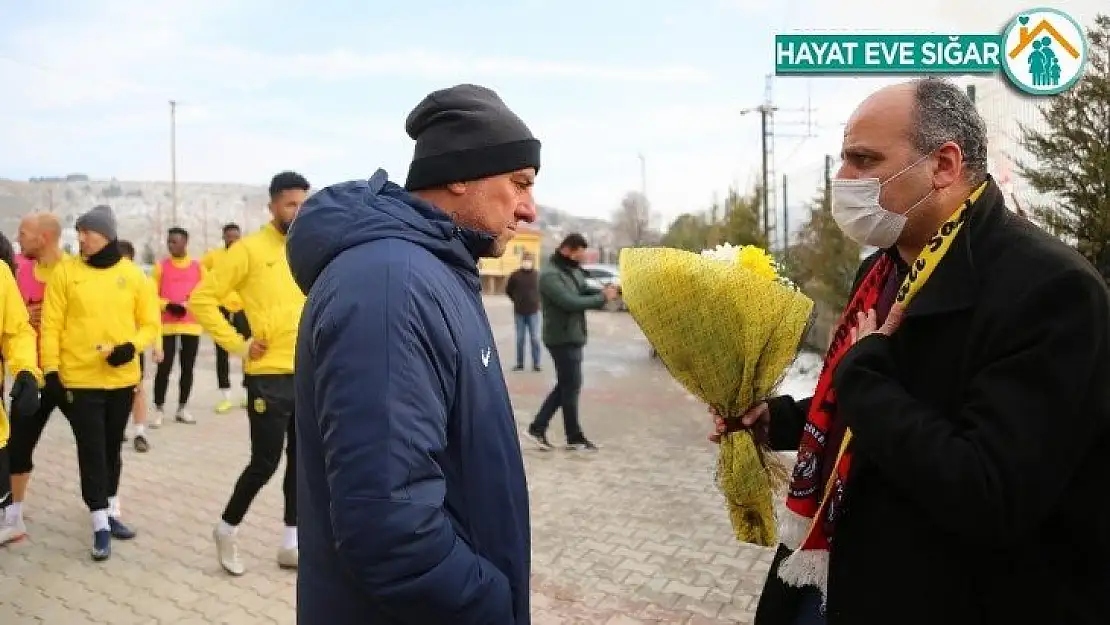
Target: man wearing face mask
x: 415, y: 506
x: 954, y: 448
x: 523, y: 288
x: 257, y: 269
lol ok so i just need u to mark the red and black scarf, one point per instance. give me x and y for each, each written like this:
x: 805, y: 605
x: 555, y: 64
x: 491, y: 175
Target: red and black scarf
x: 816, y: 493
x: 817, y: 468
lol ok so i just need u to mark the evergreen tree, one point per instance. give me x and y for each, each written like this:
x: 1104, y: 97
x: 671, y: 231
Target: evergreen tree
x: 1071, y: 159
x: 687, y: 232
x: 741, y: 221
x: 823, y: 262
x: 735, y: 221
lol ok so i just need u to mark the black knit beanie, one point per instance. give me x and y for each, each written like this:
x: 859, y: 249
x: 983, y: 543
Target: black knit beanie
x: 466, y: 133
x: 99, y: 219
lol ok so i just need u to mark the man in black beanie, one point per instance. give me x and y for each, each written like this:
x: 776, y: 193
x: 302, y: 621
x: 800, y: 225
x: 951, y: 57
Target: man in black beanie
x: 415, y: 506
x: 476, y: 160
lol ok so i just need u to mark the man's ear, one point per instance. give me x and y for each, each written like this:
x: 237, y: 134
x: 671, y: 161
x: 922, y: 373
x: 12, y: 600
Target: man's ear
x: 949, y: 165
x: 457, y: 188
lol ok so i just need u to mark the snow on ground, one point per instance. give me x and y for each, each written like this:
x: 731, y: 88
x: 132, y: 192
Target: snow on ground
x: 801, y: 377
x: 799, y: 382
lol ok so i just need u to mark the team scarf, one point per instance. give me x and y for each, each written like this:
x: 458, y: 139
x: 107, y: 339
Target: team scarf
x: 814, y: 500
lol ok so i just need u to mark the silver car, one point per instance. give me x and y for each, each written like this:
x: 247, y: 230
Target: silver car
x: 599, y: 276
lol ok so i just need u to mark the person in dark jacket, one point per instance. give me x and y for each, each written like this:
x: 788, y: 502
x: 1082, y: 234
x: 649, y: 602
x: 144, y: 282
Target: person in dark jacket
x: 979, y: 411
x: 565, y: 297
x: 523, y: 288
x: 414, y: 506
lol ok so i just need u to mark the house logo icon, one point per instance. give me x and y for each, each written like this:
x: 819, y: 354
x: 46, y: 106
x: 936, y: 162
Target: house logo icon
x: 1044, y: 51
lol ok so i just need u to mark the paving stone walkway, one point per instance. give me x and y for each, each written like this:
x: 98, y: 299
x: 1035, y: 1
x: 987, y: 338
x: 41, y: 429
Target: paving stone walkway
x: 633, y: 534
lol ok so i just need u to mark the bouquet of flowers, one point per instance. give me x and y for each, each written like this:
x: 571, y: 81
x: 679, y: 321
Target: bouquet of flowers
x: 726, y: 324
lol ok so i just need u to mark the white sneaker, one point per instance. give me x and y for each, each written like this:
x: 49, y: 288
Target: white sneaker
x: 12, y: 532
x: 182, y: 416
x: 156, y: 418
x: 227, y: 551
x: 287, y: 557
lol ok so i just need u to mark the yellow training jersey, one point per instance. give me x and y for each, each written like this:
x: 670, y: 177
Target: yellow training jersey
x: 152, y: 288
x: 43, y: 272
x: 86, y: 312
x: 170, y: 326
x: 232, y: 303
x: 256, y: 268
x: 17, y: 339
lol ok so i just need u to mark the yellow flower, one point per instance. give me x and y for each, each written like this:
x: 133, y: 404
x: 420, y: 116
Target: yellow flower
x: 758, y: 261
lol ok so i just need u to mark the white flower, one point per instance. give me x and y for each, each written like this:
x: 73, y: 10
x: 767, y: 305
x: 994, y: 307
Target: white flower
x: 725, y: 253
x: 729, y: 253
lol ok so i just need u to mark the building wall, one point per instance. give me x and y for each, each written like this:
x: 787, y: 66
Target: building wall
x: 1006, y: 111
x: 495, y: 271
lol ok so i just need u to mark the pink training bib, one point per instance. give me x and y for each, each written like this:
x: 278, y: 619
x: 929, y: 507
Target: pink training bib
x: 29, y: 286
x: 175, y: 286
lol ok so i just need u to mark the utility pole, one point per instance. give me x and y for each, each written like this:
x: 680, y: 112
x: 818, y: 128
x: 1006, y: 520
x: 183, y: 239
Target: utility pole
x: 785, y: 216
x: 643, y: 175
x: 173, y: 158
x: 828, y: 182
x: 765, y: 111
x: 767, y: 125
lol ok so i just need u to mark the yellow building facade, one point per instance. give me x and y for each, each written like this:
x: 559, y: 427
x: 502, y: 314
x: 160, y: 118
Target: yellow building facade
x: 496, y: 271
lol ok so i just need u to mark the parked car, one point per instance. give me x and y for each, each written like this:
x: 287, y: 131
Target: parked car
x: 600, y: 276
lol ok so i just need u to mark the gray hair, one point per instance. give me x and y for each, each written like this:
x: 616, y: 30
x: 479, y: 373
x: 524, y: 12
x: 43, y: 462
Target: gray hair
x: 943, y: 112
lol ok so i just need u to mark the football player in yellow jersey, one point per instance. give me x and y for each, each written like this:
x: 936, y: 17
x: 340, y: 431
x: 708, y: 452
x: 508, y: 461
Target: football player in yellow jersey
x: 99, y: 313
x: 40, y: 255
x: 17, y: 345
x: 257, y: 269
x: 232, y: 309
x: 138, y: 405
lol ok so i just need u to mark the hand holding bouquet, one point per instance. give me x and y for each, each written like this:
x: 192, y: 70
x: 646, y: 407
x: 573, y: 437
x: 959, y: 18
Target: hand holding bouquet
x: 727, y: 326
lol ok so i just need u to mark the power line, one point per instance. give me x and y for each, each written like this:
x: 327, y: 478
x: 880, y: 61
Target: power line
x: 767, y: 113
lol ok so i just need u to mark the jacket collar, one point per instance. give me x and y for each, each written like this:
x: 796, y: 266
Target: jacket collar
x: 563, y: 262
x: 477, y: 243
x: 954, y: 285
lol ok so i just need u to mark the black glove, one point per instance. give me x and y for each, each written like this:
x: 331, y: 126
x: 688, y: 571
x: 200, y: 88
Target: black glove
x: 121, y: 355
x: 53, y: 388
x: 25, y: 394
x: 177, y: 310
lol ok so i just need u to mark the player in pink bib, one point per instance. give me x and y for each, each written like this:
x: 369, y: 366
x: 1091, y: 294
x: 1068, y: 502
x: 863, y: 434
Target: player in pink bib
x: 176, y: 277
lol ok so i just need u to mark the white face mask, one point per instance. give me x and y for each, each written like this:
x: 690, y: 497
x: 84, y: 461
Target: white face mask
x: 856, y: 209
x: 526, y: 265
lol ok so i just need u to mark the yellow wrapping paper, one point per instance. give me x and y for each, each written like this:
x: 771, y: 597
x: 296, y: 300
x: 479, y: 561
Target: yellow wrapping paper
x: 726, y: 331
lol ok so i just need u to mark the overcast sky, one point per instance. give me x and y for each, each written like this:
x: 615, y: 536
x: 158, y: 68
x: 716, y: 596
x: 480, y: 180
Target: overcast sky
x: 324, y: 87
